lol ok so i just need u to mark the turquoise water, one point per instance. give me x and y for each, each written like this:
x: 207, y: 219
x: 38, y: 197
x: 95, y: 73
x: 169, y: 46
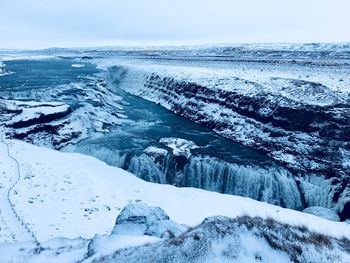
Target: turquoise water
x: 45, y: 73
x: 149, y: 122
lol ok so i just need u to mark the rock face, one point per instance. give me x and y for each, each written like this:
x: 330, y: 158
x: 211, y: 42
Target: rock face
x: 24, y: 120
x: 300, y: 123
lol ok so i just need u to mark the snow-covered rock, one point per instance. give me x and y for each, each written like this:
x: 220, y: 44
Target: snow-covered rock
x: 138, y: 218
x: 155, y: 153
x: 181, y: 147
x: 216, y: 239
x: 30, y: 113
x: 56, y: 120
x: 3, y: 70
x: 136, y: 224
x: 322, y: 212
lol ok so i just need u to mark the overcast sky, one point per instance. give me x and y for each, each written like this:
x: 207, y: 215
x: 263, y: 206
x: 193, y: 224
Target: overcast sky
x: 47, y: 23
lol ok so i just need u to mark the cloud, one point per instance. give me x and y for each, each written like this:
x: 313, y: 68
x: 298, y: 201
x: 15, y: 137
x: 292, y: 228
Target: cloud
x: 43, y: 23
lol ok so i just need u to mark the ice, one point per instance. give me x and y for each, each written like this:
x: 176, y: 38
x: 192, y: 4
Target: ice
x: 78, y: 65
x: 3, y: 70
x: 271, y: 184
x: 322, y: 212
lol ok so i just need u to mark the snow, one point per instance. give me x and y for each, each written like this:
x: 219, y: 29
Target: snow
x: 181, y: 147
x: 81, y: 196
x: 152, y: 150
x: 322, y: 212
x: 220, y: 239
x: 137, y: 224
x: 251, y: 79
x: 14, y: 55
x: 11, y: 228
x: 56, y: 250
x: 54, y: 196
x: 249, y: 247
x: 104, y: 245
x: 78, y: 65
x: 3, y: 70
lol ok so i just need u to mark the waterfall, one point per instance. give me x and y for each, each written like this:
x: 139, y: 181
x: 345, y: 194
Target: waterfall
x: 274, y: 185
x: 270, y: 184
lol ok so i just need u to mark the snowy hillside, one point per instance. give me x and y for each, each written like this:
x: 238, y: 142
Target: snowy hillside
x: 80, y: 196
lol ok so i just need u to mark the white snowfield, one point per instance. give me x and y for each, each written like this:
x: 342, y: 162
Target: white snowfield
x: 72, y: 195
x: 272, y: 79
x: 12, y: 228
